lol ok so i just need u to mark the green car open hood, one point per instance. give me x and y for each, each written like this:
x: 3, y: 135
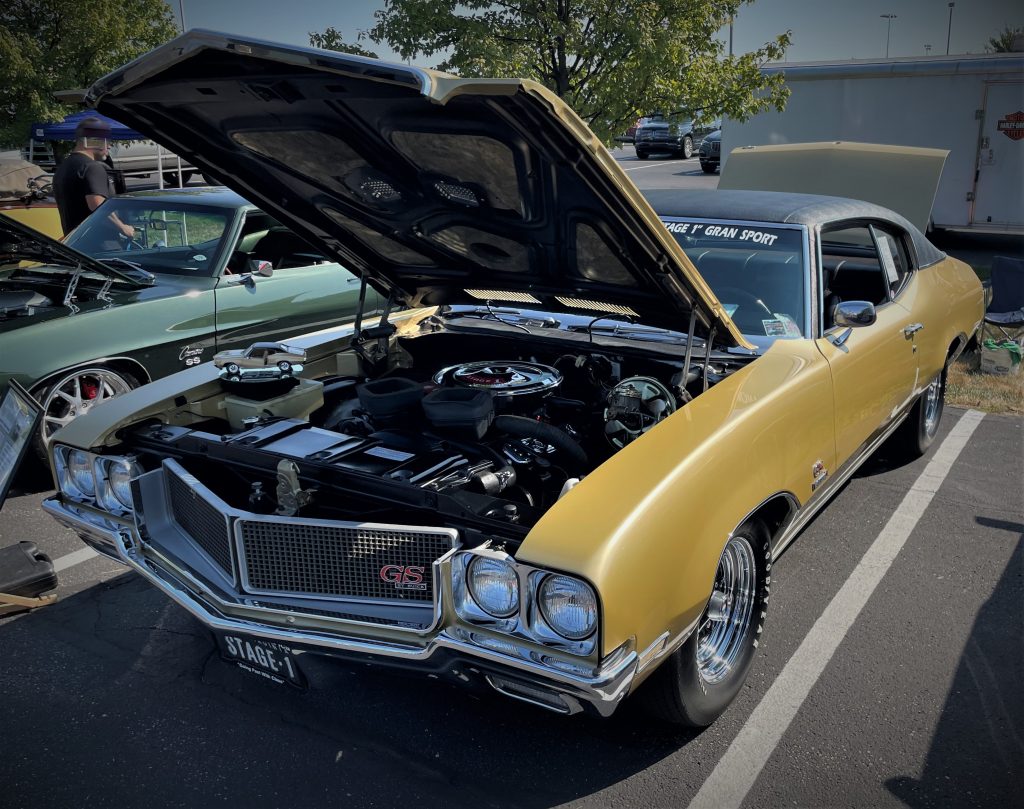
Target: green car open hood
x: 19, y: 242
x: 439, y: 190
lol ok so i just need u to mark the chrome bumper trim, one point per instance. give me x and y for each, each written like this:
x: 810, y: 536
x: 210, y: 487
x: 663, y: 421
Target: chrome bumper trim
x: 602, y: 691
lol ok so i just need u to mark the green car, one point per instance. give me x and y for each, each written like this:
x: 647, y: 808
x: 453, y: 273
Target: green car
x: 90, y: 318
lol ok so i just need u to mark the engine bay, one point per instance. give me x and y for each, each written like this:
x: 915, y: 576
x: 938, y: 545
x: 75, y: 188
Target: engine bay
x: 446, y: 429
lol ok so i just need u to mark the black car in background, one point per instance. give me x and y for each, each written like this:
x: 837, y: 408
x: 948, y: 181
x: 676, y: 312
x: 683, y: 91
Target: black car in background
x: 710, y: 153
x: 677, y: 134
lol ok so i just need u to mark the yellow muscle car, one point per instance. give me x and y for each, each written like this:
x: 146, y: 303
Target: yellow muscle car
x: 562, y: 463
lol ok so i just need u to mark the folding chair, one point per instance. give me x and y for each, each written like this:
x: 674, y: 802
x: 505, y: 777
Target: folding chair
x: 1005, y: 312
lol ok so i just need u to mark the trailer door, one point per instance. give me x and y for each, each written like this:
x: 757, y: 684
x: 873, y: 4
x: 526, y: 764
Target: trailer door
x: 999, y: 193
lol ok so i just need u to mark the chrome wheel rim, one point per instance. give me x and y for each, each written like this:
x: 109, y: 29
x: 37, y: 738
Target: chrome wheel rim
x: 76, y: 394
x: 932, y: 406
x: 722, y: 635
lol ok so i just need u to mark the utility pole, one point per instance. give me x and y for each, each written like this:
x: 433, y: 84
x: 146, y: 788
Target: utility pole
x: 949, y: 29
x: 927, y: 50
x: 181, y: 14
x: 890, y: 18
x: 730, y: 36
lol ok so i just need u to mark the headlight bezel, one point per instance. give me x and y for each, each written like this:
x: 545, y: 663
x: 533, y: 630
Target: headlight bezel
x: 102, y: 496
x: 528, y: 623
x: 106, y: 493
x: 543, y: 607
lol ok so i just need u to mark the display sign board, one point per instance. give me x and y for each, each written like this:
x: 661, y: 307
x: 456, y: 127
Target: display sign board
x: 19, y: 419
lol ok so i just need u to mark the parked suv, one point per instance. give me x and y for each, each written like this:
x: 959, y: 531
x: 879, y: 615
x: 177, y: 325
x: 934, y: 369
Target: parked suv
x: 677, y: 134
x: 710, y: 153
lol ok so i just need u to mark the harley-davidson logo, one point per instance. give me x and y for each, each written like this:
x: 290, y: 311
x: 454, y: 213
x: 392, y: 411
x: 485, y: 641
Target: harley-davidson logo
x: 1013, y: 125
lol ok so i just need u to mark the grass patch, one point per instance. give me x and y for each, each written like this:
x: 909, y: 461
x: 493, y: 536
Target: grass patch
x: 966, y: 386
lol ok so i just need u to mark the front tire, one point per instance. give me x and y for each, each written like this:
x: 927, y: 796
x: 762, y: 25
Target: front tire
x: 74, y: 393
x: 641, y: 155
x: 708, y: 168
x: 695, y: 685
x: 687, y: 150
x: 913, y: 438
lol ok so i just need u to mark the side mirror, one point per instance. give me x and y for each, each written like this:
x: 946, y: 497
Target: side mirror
x: 853, y: 314
x: 264, y: 269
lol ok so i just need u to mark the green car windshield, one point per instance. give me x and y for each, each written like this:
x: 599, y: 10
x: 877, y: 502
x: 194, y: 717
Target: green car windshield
x: 172, y: 238
x: 756, y: 271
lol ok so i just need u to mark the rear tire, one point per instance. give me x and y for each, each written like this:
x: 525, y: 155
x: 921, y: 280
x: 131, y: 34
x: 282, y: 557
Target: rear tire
x: 687, y: 147
x: 915, y: 435
x: 695, y: 685
x: 171, y: 178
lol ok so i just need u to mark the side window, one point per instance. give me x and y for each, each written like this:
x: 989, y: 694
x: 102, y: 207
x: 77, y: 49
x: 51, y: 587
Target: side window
x: 895, y: 260
x: 853, y: 269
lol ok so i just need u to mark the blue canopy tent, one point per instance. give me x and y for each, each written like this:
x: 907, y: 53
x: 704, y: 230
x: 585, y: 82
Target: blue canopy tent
x: 65, y: 130
x: 41, y: 133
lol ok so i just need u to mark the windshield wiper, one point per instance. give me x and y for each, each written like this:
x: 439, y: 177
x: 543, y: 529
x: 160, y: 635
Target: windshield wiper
x: 510, y: 317
x: 133, y: 268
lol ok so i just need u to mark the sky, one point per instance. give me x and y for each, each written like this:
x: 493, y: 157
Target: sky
x: 822, y: 29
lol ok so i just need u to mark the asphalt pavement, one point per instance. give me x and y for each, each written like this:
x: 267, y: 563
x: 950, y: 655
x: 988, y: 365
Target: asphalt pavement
x: 890, y: 674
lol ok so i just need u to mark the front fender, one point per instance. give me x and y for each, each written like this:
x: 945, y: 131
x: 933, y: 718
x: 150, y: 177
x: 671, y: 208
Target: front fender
x: 648, y: 526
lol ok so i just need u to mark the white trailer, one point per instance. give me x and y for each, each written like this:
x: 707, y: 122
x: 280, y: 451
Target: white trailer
x: 972, y: 106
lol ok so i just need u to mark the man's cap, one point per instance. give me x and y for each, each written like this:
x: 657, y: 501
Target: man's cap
x: 92, y: 128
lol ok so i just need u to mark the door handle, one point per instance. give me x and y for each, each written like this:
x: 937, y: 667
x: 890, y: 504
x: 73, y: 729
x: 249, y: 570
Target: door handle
x: 912, y: 329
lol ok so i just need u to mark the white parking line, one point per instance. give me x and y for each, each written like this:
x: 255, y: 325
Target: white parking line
x: 72, y: 559
x: 738, y: 769
x: 653, y: 165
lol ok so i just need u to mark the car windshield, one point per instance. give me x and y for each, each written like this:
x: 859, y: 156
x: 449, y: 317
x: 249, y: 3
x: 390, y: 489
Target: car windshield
x: 175, y: 238
x: 756, y: 271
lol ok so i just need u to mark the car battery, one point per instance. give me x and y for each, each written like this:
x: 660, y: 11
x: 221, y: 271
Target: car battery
x: 27, y: 578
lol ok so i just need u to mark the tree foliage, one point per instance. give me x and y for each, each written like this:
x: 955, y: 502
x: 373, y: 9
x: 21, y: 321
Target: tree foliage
x: 332, y: 40
x: 1003, y: 41
x: 49, y: 45
x: 611, y: 60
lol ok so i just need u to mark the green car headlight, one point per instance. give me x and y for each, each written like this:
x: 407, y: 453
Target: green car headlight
x: 569, y: 606
x: 494, y: 586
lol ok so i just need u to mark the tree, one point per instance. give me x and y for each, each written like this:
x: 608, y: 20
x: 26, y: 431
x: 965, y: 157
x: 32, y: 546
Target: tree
x: 332, y: 40
x: 610, y: 61
x: 1003, y: 43
x: 49, y: 45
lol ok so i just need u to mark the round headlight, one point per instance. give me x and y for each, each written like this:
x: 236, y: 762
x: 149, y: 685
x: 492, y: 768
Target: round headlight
x: 80, y: 472
x: 119, y: 478
x: 494, y: 585
x: 569, y: 606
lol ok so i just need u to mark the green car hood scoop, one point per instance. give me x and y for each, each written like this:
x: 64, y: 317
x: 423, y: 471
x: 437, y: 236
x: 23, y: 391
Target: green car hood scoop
x: 19, y: 243
x: 438, y: 190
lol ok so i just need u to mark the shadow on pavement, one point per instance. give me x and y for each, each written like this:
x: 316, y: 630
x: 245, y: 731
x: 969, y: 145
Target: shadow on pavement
x: 977, y: 752
x: 126, y: 695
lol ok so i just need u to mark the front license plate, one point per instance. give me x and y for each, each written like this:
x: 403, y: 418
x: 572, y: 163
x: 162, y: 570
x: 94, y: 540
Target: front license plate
x: 264, y: 658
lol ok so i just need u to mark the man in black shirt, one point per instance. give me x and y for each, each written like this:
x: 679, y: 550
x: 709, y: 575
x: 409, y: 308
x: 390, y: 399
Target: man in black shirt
x: 81, y: 182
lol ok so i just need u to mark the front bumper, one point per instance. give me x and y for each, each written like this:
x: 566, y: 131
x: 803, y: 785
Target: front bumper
x: 448, y: 651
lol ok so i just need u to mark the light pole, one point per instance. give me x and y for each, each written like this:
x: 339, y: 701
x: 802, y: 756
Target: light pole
x: 888, y: 29
x: 949, y: 29
x: 181, y: 13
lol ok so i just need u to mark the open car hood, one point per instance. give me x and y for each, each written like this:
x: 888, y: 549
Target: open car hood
x: 19, y: 242
x: 904, y: 179
x: 439, y: 190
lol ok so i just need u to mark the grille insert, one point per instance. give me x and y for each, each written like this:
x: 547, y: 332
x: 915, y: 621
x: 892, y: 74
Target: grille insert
x: 201, y: 520
x: 340, y: 560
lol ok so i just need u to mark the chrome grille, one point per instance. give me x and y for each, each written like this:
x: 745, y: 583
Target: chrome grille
x: 202, y: 521
x: 339, y: 560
